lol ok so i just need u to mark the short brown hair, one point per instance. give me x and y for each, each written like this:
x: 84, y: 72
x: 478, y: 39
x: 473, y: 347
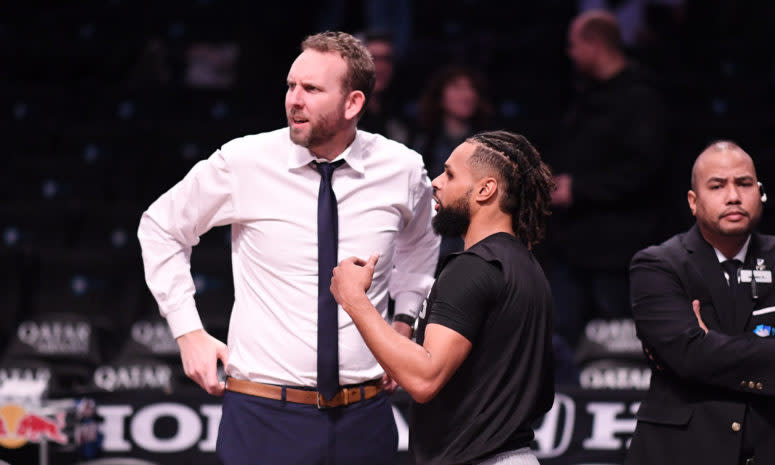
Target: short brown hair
x: 360, y: 67
x: 602, y: 26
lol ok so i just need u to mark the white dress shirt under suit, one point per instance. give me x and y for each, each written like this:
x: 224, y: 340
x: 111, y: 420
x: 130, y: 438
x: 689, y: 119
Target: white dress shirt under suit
x: 263, y: 185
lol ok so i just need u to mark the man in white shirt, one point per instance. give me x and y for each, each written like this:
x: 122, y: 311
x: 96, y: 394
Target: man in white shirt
x: 266, y: 187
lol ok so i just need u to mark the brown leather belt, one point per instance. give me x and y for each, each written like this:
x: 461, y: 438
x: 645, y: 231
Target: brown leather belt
x: 346, y: 396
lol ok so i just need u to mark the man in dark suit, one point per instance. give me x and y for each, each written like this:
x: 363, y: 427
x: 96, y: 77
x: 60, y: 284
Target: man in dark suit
x: 707, y: 325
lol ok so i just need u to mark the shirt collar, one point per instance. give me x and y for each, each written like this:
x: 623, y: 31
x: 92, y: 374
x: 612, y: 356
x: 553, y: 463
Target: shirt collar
x: 740, y: 255
x: 352, y: 155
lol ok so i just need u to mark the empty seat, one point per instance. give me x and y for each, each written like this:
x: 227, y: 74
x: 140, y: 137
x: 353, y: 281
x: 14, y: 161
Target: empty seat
x: 31, y: 225
x: 113, y: 227
x: 12, y: 269
x: 104, y: 285
x: 53, y: 179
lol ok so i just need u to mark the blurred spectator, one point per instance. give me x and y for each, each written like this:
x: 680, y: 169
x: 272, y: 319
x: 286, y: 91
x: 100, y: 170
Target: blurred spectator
x: 394, y: 16
x: 453, y: 107
x: 211, y: 65
x: 608, y: 160
x: 199, y: 65
x: 383, y: 114
x: 641, y: 21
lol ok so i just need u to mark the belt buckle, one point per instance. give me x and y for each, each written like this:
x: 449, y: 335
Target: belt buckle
x: 322, y: 406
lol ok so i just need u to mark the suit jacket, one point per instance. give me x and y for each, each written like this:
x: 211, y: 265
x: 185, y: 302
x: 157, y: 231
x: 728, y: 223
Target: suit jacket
x: 695, y: 409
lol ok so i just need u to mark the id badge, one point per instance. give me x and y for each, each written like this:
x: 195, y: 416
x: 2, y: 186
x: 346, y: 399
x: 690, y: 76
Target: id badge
x: 761, y: 276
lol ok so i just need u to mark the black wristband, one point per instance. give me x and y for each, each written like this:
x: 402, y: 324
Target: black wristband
x: 403, y: 318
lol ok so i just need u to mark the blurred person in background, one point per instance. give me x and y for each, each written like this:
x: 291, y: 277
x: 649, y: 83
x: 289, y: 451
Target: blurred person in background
x: 453, y: 107
x: 609, y: 160
x: 383, y: 112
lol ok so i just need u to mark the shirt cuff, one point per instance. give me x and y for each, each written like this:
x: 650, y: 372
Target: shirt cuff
x: 183, y: 320
x: 408, y: 303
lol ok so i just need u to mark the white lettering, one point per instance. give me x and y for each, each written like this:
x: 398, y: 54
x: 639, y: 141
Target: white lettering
x: 156, y: 336
x: 112, y: 427
x: 616, y: 335
x: 615, y: 378
x: 553, y: 440
x: 403, y: 430
x: 52, y: 337
x: 188, y: 432
x: 213, y: 415
x: 25, y: 374
x: 605, y: 425
x: 111, y: 378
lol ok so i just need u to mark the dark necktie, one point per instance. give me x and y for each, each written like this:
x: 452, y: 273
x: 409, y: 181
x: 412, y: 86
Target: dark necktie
x: 328, y: 243
x: 731, y: 266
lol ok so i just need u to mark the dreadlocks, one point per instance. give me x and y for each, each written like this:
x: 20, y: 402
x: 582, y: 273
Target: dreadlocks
x: 528, y: 180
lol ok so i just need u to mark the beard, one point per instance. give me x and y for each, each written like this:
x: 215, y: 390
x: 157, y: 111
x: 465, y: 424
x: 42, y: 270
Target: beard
x: 318, y: 132
x: 454, y: 219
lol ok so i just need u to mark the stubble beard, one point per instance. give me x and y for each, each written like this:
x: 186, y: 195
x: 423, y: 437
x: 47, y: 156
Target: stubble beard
x: 317, y: 133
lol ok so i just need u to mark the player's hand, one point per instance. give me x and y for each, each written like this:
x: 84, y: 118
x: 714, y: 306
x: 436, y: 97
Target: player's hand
x: 696, y: 309
x: 352, y: 278
x: 389, y: 385
x: 200, y: 353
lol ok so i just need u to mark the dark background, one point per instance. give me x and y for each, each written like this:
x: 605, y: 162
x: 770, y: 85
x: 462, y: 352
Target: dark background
x: 97, y: 119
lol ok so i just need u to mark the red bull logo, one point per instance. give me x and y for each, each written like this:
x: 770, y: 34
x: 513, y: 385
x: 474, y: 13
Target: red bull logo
x: 19, y: 426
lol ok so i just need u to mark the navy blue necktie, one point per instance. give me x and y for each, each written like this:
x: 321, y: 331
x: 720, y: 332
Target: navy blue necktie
x: 328, y: 322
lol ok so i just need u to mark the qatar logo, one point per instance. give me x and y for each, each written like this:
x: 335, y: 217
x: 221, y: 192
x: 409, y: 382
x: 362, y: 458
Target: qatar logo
x: 156, y: 336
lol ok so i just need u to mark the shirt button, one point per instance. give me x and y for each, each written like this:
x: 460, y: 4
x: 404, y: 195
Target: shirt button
x: 759, y: 386
x: 751, y: 384
x: 736, y: 426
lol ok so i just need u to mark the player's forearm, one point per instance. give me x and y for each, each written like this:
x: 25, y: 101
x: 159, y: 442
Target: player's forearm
x: 407, y: 362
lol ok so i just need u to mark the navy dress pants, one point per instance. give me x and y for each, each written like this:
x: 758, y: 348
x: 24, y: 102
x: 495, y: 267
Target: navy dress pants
x: 258, y: 431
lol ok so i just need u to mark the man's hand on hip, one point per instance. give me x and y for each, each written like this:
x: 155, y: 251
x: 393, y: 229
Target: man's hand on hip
x: 200, y: 353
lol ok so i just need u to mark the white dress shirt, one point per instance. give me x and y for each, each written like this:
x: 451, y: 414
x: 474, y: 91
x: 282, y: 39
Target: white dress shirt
x: 740, y: 255
x: 263, y: 185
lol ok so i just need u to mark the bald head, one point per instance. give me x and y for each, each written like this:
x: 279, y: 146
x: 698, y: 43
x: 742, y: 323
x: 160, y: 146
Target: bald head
x: 725, y: 197
x: 718, y: 150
